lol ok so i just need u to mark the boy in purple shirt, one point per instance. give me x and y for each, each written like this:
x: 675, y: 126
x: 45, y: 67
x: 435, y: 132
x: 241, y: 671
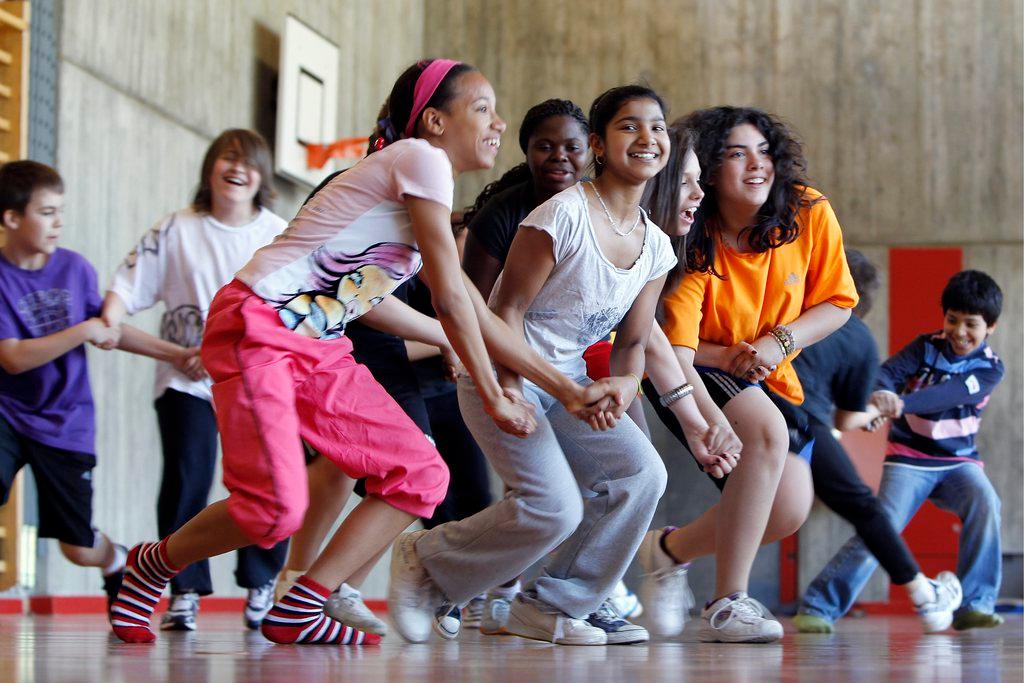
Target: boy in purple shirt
x: 49, y: 308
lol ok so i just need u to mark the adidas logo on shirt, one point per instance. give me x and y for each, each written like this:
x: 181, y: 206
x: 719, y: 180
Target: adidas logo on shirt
x: 793, y: 279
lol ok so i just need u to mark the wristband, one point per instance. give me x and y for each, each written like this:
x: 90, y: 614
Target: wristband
x: 676, y: 394
x: 639, y: 390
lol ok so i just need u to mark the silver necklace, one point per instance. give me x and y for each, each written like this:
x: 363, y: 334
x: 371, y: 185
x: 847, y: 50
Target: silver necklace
x: 614, y: 223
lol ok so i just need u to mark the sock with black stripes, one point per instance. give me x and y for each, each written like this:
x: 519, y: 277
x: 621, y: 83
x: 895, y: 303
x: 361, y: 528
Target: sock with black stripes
x: 298, y: 617
x: 147, y: 571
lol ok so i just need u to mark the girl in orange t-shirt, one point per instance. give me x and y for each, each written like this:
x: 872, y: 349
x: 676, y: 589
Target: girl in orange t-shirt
x: 766, y: 276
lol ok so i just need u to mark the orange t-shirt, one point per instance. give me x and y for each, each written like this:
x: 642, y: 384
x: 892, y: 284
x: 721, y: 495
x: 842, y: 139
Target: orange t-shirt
x: 761, y: 291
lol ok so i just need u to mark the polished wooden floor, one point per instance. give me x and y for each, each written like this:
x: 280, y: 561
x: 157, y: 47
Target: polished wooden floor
x: 79, y: 648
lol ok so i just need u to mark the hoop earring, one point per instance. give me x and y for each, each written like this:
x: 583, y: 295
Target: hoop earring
x: 599, y: 160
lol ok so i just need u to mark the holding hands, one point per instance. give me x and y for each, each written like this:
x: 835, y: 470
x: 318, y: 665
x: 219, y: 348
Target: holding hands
x: 101, y: 334
x: 190, y: 364
x: 513, y: 413
x: 717, y: 448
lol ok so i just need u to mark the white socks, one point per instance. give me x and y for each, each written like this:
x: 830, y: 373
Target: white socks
x: 920, y: 590
x: 116, y: 564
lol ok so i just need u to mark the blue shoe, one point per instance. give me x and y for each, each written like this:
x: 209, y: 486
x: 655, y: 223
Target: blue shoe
x: 448, y: 621
x: 618, y: 630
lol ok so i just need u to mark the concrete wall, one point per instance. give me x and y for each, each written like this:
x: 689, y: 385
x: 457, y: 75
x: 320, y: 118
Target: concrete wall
x: 910, y: 113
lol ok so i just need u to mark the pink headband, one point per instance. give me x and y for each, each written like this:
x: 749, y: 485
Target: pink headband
x: 426, y: 86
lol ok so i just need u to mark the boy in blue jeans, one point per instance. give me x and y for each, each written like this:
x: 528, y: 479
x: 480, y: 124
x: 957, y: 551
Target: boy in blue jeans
x: 934, y: 390
x: 49, y: 308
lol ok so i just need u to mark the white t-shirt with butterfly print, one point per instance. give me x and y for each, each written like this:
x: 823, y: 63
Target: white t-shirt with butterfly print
x: 182, y: 261
x: 352, y: 243
x: 586, y: 295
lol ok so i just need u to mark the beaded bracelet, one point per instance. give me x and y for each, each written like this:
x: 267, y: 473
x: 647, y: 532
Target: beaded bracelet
x: 784, y: 336
x: 670, y: 397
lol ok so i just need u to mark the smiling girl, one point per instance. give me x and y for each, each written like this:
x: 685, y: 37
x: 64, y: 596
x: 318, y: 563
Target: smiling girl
x: 182, y: 262
x: 283, y: 370
x: 580, y: 263
x: 766, y: 276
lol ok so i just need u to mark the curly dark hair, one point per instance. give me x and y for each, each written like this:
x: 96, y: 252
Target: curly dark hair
x: 535, y: 116
x: 777, y: 218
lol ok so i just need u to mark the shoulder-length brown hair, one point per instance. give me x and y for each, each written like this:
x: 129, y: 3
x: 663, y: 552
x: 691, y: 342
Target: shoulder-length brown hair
x: 254, y: 149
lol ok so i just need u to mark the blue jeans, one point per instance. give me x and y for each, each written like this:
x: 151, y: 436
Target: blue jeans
x: 963, y: 490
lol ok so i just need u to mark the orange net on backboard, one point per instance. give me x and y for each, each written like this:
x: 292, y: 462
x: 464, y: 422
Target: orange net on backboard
x: 346, y: 148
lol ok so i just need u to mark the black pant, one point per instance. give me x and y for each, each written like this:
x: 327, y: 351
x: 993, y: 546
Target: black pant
x: 188, y: 434
x: 838, y: 485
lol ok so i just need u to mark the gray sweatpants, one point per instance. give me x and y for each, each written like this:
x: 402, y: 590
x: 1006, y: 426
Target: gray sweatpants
x: 589, y: 494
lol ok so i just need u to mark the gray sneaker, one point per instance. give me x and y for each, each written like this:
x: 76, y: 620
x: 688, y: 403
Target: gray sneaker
x: 527, y: 620
x: 413, y: 598
x: 496, y: 607
x: 181, y: 615
x: 347, y: 606
x: 738, y: 618
x: 258, y: 602
x: 617, y: 630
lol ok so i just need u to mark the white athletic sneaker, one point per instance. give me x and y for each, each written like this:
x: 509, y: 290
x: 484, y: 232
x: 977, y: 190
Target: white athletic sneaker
x: 617, y: 630
x: 938, y: 615
x: 528, y: 621
x: 181, y: 614
x: 258, y: 602
x: 285, y: 581
x: 738, y: 618
x: 625, y: 601
x: 495, y: 616
x: 413, y: 598
x: 665, y: 589
x: 347, y: 606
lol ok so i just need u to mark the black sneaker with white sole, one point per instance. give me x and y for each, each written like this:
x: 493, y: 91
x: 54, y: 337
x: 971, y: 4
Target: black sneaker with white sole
x: 181, y: 615
x: 258, y: 602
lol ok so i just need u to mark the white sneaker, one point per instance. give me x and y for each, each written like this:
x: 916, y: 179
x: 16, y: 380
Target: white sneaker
x: 347, y: 606
x: 181, y: 614
x: 738, y: 618
x: 938, y: 615
x: 495, y: 616
x: 285, y: 580
x: 413, y: 597
x: 448, y: 621
x: 617, y: 630
x: 258, y: 602
x: 528, y: 621
x: 665, y: 589
x: 625, y: 601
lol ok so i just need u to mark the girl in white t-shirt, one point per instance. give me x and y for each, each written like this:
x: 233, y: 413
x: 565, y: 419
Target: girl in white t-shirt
x: 283, y: 371
x: 585, y: 261
x: 182, y: 262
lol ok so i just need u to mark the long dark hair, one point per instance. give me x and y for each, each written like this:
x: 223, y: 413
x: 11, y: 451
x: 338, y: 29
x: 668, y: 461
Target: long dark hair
x: 777, y: 219
x: 394, y: 115
x: 535, y: 116
x: 662, y: 198
x: 607, y: 105
x: 250, y: 145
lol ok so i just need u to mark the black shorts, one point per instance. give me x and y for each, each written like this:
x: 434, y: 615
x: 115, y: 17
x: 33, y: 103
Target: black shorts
x: 63, y: 481
x: 722, y: 388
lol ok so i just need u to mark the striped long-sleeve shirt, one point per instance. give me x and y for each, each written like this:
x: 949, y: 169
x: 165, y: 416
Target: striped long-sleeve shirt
x: 943, y: 396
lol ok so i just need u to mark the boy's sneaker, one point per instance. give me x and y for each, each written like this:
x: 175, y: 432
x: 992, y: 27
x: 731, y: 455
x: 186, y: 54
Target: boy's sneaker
x: 938, y: 615
x: 112, y: 581
x: 810, y: 623
x: 347, y: 606
x: 968, y: 619
x: 181, y: 615
x: 738, y: 618
x: 617, y: 630
x: 665, y: 589
x: 448, y: 621
x: 473, y: 612
x: 528, y: 621
x: 258, y: 602
x: 625, y: 601
x: 412, y: 595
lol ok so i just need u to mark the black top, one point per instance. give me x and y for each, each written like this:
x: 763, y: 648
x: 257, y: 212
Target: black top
x: 839, y: 370
x: 495, y: 225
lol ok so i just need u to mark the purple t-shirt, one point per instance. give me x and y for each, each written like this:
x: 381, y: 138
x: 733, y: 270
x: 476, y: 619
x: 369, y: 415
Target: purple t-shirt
x: 51, y: 404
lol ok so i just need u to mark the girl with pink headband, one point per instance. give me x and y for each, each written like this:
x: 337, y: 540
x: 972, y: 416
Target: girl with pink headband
x: 283, y: 372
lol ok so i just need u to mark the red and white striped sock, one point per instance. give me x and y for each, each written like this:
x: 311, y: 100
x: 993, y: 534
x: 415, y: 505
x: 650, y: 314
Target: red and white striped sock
x: 147, y: 572
x: 298, y: 617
